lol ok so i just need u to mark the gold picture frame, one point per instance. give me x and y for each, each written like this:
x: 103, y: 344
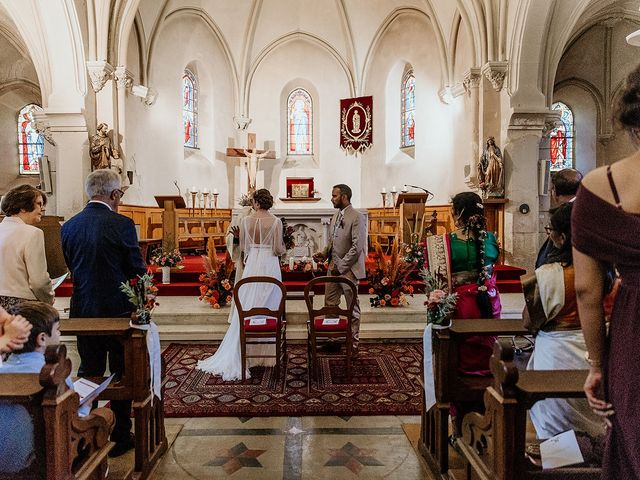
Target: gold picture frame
x: 300, y: 190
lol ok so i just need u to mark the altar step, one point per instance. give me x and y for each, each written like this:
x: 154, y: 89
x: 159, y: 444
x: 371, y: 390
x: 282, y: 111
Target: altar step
x: 186, y: 319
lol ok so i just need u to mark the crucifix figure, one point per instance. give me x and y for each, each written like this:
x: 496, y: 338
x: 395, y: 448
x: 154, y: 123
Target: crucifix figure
x: 253, y: 157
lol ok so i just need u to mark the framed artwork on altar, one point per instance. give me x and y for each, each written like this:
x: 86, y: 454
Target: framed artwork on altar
x: 298, y: 187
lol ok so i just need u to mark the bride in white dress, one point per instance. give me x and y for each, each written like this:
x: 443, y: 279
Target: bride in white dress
x: 262, y: 244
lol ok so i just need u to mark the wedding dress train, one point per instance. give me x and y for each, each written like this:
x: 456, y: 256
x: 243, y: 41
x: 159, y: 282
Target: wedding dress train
x: 261, y: 239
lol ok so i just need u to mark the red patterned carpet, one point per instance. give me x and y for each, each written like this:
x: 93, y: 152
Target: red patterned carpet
x: 384, y: 382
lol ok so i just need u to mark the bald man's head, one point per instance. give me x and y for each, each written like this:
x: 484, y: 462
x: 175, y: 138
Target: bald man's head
x: 566, y: 183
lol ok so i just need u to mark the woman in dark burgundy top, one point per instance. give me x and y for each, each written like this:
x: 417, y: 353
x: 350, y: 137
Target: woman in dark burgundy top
x: 606, y: 231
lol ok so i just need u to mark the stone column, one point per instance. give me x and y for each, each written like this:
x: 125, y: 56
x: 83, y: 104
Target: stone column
x: 471, y: 84
x: 123, y: 80
x: 521, y: 152
x: 69, y: 160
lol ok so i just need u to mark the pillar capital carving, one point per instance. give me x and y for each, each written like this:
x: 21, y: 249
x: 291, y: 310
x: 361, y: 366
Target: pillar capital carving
x: 531, y: 121
x: 123, y: 77
x: 241, y: 122
x: 495, y: 72
x: 99, y: 72
x: 551, y: 121
x: 471, y: 79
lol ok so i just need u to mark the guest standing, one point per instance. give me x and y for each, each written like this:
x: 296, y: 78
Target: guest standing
x: 605, y: 225
x: 101, y: 250
x: 22, y: 255
x: 564, y: 186
x: 346, y: 253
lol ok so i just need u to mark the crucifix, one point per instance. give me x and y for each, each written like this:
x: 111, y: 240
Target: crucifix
x: 253, y: 157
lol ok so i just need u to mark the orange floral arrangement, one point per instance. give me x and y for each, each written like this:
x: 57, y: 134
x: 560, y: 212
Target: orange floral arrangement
x: 218, y: 279
x: 388, y: 279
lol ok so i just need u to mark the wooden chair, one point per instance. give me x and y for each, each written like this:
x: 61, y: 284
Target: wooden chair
x: 493, y: 444
x: 452, y: 387
x: 65, y: 446
x: 275, y: 326
x: 319, y: 332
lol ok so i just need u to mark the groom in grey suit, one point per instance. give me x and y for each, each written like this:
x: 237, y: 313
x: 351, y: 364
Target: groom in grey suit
x: 346, y: 252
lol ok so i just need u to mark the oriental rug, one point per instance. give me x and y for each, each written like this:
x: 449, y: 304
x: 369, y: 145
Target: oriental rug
x: 384, y: 381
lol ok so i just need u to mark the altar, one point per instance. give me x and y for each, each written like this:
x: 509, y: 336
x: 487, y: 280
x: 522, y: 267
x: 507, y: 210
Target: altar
x: 310, y: 228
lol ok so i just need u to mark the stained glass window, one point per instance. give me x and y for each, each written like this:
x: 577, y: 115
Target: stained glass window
x: 190, y: 109
x: 30, y: 142
x: 408, y: 109
x: 300, y: 116
x: 561, y: 139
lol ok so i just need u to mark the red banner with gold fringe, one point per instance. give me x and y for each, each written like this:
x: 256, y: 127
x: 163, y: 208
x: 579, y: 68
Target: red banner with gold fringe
x: 356, y: 124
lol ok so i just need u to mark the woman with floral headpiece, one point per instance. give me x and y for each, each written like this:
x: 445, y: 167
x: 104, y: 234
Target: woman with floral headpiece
x: 464, y: 259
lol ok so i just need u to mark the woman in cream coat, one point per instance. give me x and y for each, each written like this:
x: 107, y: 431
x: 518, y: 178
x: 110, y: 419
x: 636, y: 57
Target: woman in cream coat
x: 22, y: 256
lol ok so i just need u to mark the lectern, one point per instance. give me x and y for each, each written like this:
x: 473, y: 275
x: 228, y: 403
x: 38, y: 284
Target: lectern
x: 170, y: 219
x: 411, y: 210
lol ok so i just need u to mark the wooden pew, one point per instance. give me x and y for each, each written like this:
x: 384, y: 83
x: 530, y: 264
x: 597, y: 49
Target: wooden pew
x: 451, y: 387
x: 66, y: 446
x: 148, y: 410
x: 493, y: 444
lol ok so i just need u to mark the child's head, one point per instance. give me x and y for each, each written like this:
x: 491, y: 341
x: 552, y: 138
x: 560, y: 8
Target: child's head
x: 46, y: 325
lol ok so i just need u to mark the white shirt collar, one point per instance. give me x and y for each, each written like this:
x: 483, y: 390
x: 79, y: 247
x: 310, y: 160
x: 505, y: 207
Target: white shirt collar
x: 13, y: 219
x: 99, y: 201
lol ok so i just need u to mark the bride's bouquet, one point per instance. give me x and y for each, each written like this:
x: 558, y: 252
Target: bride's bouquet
x: 218, y: 279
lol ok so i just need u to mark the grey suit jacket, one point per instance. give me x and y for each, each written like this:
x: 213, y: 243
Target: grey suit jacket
x: 348, y: 242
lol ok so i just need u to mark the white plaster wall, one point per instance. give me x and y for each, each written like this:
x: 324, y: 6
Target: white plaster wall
x: 320, y: 73
x: 154, y: 134
x: 15, y: 92
x: 585, y: 125
x: 439, y: 138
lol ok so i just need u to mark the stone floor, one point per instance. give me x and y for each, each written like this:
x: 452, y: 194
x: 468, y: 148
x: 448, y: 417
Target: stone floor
x: 292, y: 448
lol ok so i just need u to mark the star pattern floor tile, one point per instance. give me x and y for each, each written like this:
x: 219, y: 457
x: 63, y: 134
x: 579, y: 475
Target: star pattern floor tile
x: 353, y: 458
x: 237, y: 457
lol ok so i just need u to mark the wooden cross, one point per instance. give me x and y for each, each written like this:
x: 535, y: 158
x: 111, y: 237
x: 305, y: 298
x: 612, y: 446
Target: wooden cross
x: 251, y: 147
x: 253, y: 157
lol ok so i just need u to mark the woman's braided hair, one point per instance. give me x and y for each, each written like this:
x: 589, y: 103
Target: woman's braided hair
x: 468, y: 208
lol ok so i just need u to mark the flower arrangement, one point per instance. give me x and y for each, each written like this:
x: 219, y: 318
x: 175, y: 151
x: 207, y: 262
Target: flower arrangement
x: 246, y: 200
x: 166, y: 258
x: 218, y: 279
x: 141, y: 292
x: 388, y: 279
x: 305, y: 265
x: 287, y: 235
x: 414, y: 254
x: 440, y: 304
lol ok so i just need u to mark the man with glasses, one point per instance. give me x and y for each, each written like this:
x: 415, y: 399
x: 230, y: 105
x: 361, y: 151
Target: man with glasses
x: 564, y: 186
x: 101, y: 250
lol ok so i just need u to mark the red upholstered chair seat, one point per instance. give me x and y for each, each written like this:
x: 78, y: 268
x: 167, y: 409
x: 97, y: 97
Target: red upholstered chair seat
x: 341, y: 326
x: 269, y: 326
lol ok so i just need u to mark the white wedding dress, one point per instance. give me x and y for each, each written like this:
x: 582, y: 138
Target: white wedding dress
x: 262, y: 244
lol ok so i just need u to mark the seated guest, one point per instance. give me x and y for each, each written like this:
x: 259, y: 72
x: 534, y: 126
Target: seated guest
x: 22, y: 256
x: 18, y: 449
x: 14, y: 332
x: 560, y: 343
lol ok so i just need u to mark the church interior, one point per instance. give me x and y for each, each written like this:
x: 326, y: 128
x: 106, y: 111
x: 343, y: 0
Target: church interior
x: 196, y: 104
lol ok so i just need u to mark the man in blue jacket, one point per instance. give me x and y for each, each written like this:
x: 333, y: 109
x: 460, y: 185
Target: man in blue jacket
x: 102, y: 251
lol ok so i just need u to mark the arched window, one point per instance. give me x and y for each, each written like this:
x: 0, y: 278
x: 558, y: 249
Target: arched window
x: 30, y: 143
x: 190, y: 109
x: 561, y: 139
x: 300, y: 117
x: 408, y: 109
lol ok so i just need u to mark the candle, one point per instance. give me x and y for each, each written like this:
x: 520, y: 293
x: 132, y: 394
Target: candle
x: 205, y: 190
x: 194, y: 190
x: 405, y: 189
x: 393, y: 189
x: 384, y: 190
x: 290, y: 263
x: 215, y: 191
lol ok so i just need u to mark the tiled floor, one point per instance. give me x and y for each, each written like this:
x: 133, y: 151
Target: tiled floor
x: 292, y: 448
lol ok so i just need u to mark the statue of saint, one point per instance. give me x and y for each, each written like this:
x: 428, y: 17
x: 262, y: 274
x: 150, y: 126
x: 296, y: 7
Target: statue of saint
x: 253, y: 161
x: 355, y: 120
x: 491, y: 170
x: 102, y: 152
